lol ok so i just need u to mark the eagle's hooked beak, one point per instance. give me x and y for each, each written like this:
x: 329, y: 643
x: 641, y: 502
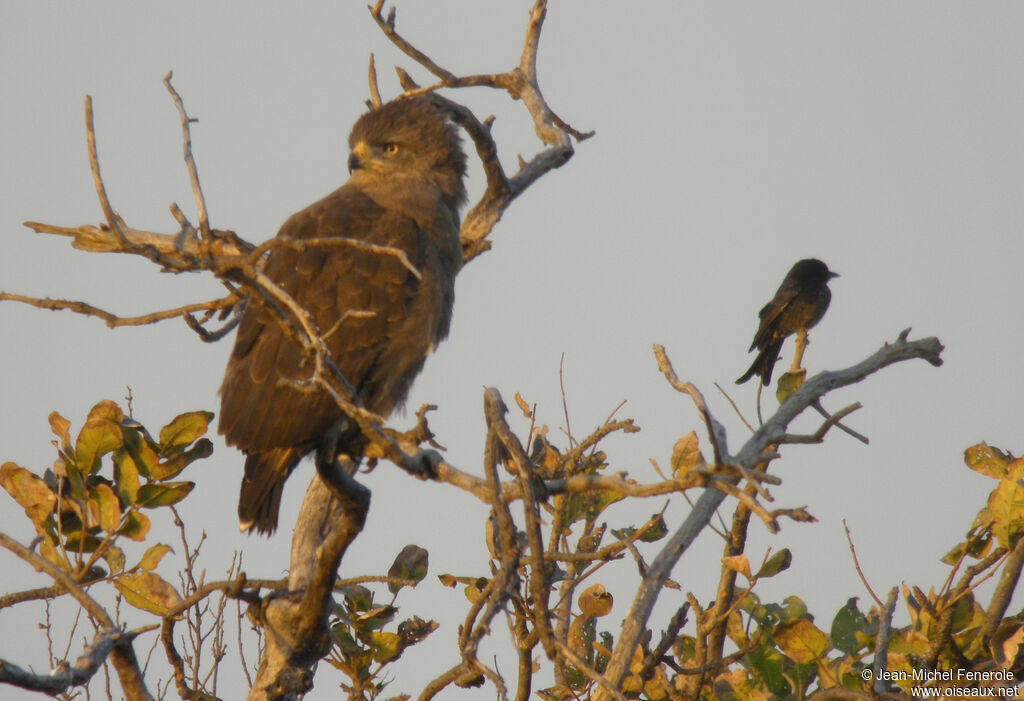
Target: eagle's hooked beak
x: 357, y: 157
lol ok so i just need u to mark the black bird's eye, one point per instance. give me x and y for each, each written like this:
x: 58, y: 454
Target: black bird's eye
x: 391, y: 149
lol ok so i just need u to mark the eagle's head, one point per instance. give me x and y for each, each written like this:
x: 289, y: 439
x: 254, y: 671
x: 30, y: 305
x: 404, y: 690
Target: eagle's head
x: 410, y: 137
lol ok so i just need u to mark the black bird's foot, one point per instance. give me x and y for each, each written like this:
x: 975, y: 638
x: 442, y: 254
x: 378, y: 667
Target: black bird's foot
x: 424, y: 464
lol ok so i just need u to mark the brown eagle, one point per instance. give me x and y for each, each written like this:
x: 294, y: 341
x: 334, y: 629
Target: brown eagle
x: 405, y: 190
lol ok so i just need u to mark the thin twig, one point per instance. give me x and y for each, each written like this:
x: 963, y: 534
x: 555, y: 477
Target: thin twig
x: 856, y: 565
x: 190, y: 163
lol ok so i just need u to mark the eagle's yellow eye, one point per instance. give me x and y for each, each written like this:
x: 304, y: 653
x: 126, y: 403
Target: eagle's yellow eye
x: 391, y: 149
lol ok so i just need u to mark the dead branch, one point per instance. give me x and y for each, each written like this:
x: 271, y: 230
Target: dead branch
x: 882, y: 639
x: 65, y: 676
x: 190, y: 163
x: 119, y: 650
x: 772, y: 432
x: 113, y: 320
x: 521, y: 83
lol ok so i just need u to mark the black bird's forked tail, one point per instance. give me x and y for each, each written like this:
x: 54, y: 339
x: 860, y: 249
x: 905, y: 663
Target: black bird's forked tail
x: 763, y: 365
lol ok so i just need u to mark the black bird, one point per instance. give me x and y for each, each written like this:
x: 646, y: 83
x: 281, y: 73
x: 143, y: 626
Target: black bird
x: 800, y: 303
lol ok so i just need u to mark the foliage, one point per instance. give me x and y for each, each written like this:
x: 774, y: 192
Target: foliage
x: 98, y: 492
x: 95, y: 500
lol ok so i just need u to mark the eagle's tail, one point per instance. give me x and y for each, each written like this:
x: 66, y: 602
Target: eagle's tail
x: 260, y: 499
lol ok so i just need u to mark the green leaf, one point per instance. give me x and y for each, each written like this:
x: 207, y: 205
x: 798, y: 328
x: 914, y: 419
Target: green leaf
x: 589, y: 505
x: 411, y: 563
x: 850, y: 628
x: 357, y: 597
x: 108, y: 507
x: 79, y: 543
x: 778, y: 562
x: 344, y: 640
x: 768, y: 663
x: 31, y: 493
x: 172, y: 466
x: 384, y: 646
x: 152, y: 496
x: 789, y: 384
x: 800, y: 640
x: 140, y: 451
x: 184, y: 429
x: 652, y: 531
x: 374, y: 619
x: 151, y: 558
x: 794, y: 608
x: 147, y: 591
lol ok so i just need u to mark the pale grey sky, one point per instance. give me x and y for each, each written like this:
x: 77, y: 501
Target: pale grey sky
x: 732, y: 139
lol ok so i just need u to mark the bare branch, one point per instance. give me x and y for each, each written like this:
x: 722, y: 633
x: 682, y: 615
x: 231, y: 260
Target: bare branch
x: 882, y: 639
x: 521, y: 83
x: 819, y: 435
x: 120, y: 652
x: 65, y: 676
x: 375, y: 100
x: 716, y: 431
x: 750, y: 455
x: 190, y: 163
x: 112, y: 320
x: 113, y: 221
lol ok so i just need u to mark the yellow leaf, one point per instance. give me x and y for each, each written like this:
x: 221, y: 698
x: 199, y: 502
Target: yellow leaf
x: 595, y: 601
x: 738, y: 563
x: 108, y: 507
x: 98, y: 437
x: 523, y: 406
x: 59, y: 425
x: 151, y: 558
x: 147, y: 591
x: 126, y: 476
x: 1006, y: 506
x: 686, y: 454
x: 986, y: 460
x: 385, y: 645
x: 31, y: 493
x: 151, y: 496
x: 789, y: 383
x: 136, y: 526
x: 800, y: 640
x: 184, y: 429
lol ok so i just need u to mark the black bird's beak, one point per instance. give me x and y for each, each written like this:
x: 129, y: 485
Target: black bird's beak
x: 830, y: 273
x: 354, y: 163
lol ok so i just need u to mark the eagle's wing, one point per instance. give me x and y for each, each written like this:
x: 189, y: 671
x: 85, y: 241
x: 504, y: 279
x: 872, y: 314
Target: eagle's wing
x: 379, y: 320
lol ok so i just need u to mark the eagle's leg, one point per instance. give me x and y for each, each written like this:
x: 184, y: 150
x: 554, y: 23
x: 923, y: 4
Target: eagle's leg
x: 337, y: 459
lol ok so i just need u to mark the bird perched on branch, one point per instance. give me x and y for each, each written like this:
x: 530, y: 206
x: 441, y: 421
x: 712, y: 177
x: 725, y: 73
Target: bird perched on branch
x: 379, y: 316
x: 798, y: 305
